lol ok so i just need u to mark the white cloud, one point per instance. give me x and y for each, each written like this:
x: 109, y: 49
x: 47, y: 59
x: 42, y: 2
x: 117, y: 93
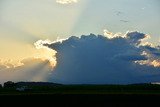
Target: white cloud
x: 110, y: 35
x: 66, y: 1
x: 46, y: 53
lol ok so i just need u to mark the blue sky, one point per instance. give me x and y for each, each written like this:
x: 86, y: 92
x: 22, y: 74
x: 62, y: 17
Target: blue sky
x: 141, y: 15
x: 47, y: 19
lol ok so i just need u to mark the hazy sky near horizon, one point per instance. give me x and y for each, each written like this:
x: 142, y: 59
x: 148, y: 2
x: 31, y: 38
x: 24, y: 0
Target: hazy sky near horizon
x: 23, y: 22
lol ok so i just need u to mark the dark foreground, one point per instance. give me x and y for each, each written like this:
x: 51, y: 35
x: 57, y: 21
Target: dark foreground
x: 82, y: 100
x: 48, y: 94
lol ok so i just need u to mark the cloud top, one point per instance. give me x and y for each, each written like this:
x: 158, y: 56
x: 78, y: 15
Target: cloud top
x: 48, y: 54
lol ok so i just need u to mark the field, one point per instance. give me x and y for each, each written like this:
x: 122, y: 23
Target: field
x: 82, y: 89
x: 138, y: 94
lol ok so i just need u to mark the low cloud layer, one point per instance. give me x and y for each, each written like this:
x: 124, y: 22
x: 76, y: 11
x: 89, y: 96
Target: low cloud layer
x: 66, y: 1
x: 33, y: 69
x: 37, y: 67
x: 110, y: 59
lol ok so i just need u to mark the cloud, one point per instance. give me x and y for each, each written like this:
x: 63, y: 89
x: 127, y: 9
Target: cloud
x: 47, y: 53
x: 37, y: 67
x: 153, y: 55
x: 110, y: 59
x: 2, y: 67
x: 89, y: 59
x: 66, y: 1
x: 33, y: 69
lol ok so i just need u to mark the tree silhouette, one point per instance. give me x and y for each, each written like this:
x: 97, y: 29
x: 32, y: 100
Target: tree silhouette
x: 9, y: 84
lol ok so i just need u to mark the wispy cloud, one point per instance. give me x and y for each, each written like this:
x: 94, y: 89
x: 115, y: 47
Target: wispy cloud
x: 66, y: 1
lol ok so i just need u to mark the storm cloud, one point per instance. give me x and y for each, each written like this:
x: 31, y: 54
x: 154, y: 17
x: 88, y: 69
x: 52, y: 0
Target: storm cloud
x: 99, y: 59
x: 90, y: 59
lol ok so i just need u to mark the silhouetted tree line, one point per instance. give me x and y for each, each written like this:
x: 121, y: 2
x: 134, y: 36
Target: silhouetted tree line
x: 9, y: 84
x: 148, y: 86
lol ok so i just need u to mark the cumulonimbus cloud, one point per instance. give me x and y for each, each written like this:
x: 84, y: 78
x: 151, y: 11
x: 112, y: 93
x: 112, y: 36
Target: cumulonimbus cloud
x: 66, y: 1
x: 90, y: 59
x: 102, y: 59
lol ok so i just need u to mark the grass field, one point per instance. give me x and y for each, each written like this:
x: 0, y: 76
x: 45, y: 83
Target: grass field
x: 85, y: 89
x: 97, y: 95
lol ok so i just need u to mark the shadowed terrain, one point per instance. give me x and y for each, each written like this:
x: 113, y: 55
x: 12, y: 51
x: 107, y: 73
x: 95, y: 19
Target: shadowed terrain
x: 67, y: 95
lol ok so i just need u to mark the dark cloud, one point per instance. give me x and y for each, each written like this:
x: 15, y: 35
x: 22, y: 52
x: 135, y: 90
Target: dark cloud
x: 135, y: 37
x: 96, y: 59
x: 92, y: 59
x: 152, y: 50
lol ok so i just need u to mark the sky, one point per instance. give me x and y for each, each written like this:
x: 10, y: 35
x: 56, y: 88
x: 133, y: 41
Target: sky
x: 25, y: 25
